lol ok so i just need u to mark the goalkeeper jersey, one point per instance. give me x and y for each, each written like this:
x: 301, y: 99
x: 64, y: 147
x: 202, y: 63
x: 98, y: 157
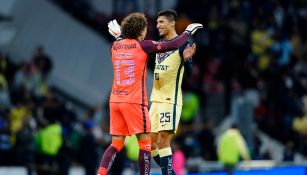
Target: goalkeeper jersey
x: 129, y: 58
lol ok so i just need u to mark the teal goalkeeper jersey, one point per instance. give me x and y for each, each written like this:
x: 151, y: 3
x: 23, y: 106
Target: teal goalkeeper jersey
x: 168, y: 73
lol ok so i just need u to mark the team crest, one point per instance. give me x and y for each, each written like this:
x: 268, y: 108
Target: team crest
x: 161, y: 56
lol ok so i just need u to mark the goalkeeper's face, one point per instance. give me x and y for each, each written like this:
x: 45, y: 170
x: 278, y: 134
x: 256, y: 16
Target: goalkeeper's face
x: 164, y: 26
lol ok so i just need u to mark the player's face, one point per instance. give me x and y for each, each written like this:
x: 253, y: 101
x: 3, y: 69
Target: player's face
x: 164, y: 25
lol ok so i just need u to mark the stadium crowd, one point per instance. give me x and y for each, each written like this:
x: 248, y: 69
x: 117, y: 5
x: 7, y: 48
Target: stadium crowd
x: 253, y: 48
x: 39, y: 127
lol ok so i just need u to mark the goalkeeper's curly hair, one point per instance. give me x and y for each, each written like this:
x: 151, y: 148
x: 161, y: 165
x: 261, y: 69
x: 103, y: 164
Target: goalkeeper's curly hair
x: 133, y: 25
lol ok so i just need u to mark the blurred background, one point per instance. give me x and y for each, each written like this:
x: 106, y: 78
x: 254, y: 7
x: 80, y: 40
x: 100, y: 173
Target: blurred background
x: 55, y: 77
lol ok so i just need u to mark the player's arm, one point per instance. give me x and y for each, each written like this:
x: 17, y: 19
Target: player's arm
x: 150, y: 46
x: 186, y: 52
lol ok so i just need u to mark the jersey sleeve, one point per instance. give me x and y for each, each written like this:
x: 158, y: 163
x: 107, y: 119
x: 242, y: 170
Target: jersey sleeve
x: 181, y: 49
x: 189, y: 64
x: 150, y: 46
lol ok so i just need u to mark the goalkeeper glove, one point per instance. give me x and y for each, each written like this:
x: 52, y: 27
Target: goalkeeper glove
x: 191, y: 29
x: 114, y: 29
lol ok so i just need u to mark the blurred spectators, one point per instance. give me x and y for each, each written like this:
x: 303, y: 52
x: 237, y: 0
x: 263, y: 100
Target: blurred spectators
x: 190, y: 108
x: 42, y: 61
x: 5, y: 100
x: 39, y: 130
x: 289, y: 152
x: 179, y: 162
x: 206, y: 139
x: 48, y: 142
x: 6, y: 146
x: 132, y: 151
x: 250, y: 48
x: 231, y: 147
x: 89, y: 149
x: 300, y: 124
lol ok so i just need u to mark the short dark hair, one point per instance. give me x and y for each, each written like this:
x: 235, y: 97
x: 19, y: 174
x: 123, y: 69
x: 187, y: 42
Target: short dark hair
x: 133, y: 25
x: 171, y: 15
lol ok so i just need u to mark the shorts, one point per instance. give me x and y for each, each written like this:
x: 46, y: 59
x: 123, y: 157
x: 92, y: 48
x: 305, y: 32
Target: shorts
x: 164, y: 116
x: 128, y: 119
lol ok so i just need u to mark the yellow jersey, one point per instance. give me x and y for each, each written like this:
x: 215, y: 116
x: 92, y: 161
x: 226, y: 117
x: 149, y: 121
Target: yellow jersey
x: 168, y: 73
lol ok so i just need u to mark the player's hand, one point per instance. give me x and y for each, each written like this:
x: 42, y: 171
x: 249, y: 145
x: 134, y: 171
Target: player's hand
x: 191, y: 29
x: 189, y: 51
x: 114, y: 29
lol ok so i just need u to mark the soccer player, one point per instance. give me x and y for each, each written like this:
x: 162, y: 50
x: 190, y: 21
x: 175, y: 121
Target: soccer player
x: 128, y: 99
x: 166, y: 96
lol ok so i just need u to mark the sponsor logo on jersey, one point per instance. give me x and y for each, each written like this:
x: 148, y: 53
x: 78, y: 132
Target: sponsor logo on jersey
x: 162, y: 67
x: 120, y: 92
x: 117, y: 46
x: 161, y: 56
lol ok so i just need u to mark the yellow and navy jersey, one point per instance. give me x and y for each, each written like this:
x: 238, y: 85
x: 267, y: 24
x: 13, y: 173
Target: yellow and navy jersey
x: 168, y: 74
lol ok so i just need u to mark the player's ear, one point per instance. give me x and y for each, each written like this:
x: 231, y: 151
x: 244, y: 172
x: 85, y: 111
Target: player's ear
x: 172, y: 23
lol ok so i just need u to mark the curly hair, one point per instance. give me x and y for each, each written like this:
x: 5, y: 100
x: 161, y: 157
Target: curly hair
x: 133, y: 25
